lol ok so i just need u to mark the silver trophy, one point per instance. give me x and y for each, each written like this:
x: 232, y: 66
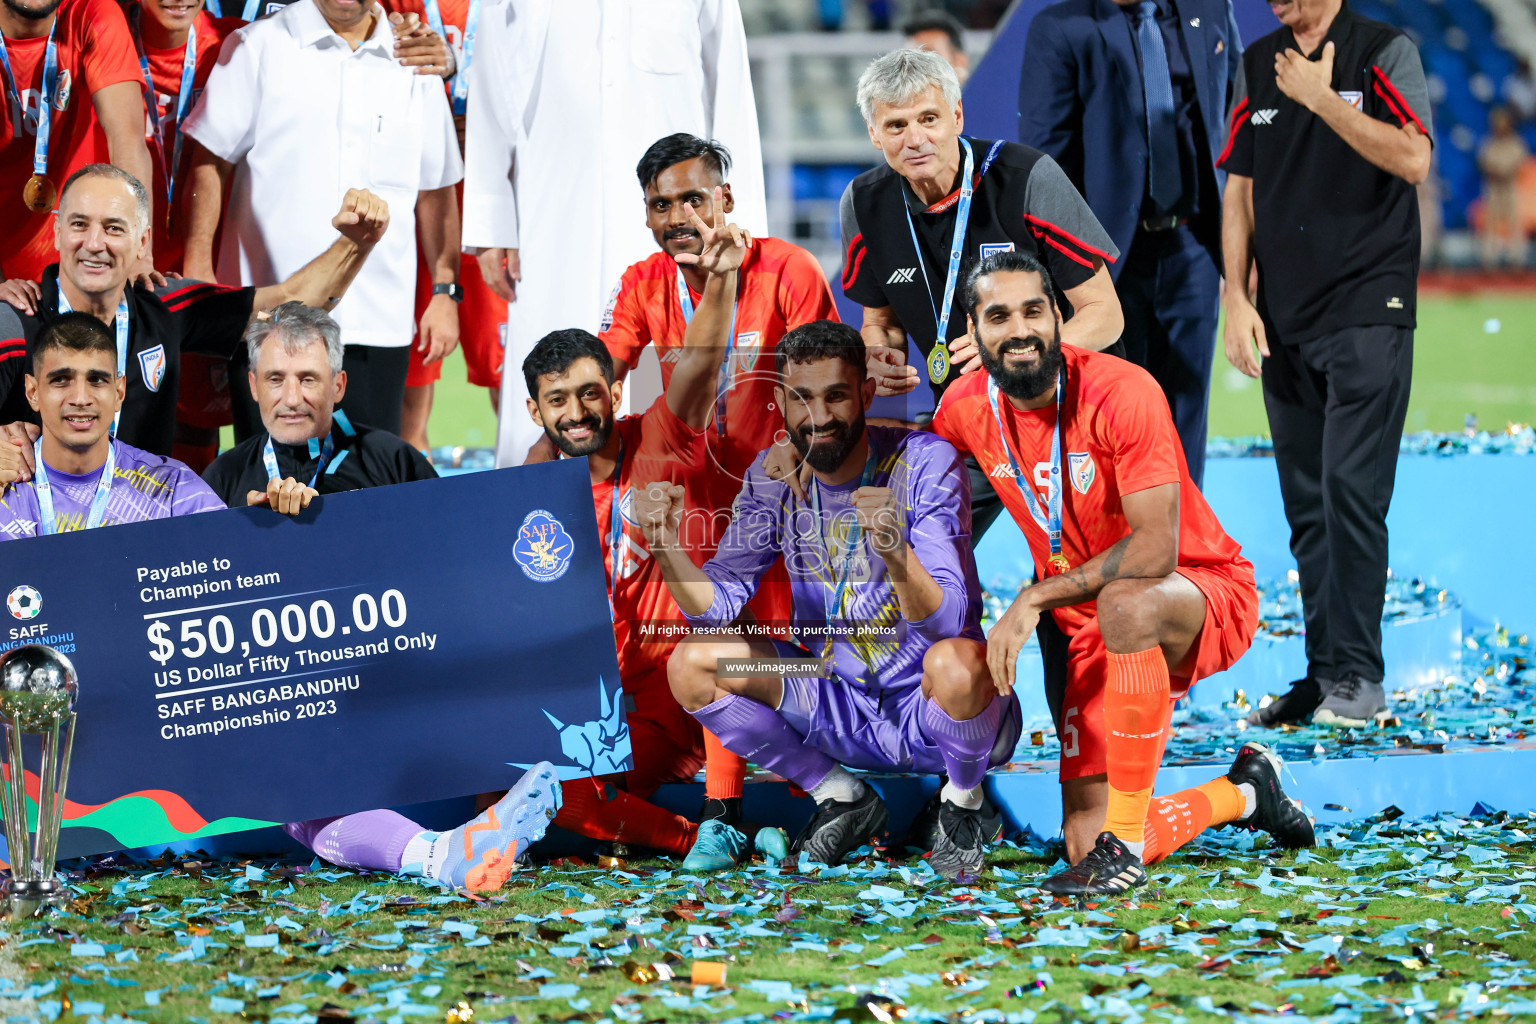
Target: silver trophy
x: 38, y: 687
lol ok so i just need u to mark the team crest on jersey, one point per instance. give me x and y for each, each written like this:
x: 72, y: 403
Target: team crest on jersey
x: 993, y: 248
x: 61, y: 93
x: 1355, y: 99
x: 1081, y: 470
x: 627, y: 508
x: 542, y: 548
x: 744, y: 359
x: 152, y: 364
x: 613, y: 301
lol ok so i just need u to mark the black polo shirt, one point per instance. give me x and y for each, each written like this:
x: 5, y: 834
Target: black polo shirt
x: 182, y: 316
x: 1023, y: 203
x: 1337, y: 239
x: 365, y: 457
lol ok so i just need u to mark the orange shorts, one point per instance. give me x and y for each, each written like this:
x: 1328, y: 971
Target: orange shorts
x: 482, y: 326
x: 667, y: 742
x: 1231, y: 616
x: 202, y: 397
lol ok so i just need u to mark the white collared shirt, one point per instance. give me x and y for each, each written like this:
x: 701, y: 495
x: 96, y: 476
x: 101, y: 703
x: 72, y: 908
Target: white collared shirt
x: 304, y: 117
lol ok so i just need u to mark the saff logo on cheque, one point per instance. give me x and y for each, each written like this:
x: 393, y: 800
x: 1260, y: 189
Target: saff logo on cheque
x: 543, y: 548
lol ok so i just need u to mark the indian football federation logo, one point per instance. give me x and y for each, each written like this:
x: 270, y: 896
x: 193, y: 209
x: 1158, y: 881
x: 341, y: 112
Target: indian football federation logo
x: 542, y: 548
x: 744, y: 358
x: 1081, y: 470
x: 24, y: 602
x: 1354, y: 98
x: 993, y: 248
x: 152, y: 363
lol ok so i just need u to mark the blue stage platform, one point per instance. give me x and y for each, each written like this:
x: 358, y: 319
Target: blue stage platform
x: 1458, y: 524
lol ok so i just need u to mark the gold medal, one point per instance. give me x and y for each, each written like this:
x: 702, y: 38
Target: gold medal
x: 1057, y: 564
x: 39, y: 193
x: 938, y: 363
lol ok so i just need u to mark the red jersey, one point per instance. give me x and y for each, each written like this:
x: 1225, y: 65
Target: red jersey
x: 781, y: 286
x: 657, y: 447
x: 165, y: 70
x: 94, y: 50
x: 1117, y: 438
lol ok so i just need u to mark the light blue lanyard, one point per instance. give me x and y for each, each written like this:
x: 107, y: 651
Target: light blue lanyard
x: 727, y: 378
x: 251, y: 9
x: 855, y: 535
x: 458, y: 86
x: 122, y: 340
x: 169, y: 161
x: 317, y: 451
x: 938, y: 367
x: 46, y: 522
x: 213, y: 8
x: 616, y: 533
x: 44, y: 102
x: 1049, y: 521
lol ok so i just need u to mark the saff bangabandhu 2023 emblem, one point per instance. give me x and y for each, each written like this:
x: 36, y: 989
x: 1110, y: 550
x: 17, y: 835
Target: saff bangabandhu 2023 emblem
x: 543, y: 548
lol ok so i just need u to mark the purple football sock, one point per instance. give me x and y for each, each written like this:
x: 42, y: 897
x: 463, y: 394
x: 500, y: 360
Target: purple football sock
x: 759, y: 734
x: 371, y: 839
x: 966, y: 746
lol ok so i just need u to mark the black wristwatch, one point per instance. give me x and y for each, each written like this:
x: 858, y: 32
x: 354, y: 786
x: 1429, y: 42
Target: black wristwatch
x: 453, y: 291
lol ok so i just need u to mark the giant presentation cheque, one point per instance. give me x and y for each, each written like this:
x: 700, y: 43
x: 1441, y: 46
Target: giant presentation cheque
x: 386, y: 647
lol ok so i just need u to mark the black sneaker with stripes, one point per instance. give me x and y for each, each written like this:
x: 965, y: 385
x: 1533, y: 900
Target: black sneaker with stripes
x: 1109, y: 868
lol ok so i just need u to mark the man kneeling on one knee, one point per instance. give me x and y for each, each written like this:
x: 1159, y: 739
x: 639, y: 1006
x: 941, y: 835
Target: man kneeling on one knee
x: 884, y: 588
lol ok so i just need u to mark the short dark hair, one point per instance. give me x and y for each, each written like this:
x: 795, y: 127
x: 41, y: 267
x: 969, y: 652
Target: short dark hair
x: 820, y: 339
x: 674, y: 149
x: 1007, y: 262
x: 558, y: 351
x: 936, y: 20
x: 76, y: 332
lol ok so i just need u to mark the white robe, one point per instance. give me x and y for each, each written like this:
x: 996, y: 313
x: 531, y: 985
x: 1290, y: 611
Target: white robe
x: 565, y: 97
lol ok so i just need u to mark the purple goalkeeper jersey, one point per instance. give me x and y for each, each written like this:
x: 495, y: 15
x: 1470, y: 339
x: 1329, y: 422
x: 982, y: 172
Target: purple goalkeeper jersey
x: 872, y: 646
x: 144, y: 486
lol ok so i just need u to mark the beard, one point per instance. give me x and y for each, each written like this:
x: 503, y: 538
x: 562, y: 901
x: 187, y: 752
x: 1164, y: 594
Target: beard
x: 32, y: 13
x: 600, y: 427
x: 831, y: 450
x: 1023, y: 382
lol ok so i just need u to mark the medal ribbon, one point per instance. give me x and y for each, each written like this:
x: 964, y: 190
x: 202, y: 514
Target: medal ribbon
x: 251, y: 9
x: 122, y: 340
x: 1048, y: 521
x: 458, y: 85
x: 44, y: 102
x: 957, y: 246
x: 727, y: 378
x: 318, y: 451
x: 46, y: 522
x: 855, y: 537
x: 169, y: 161
x: 616, y: 534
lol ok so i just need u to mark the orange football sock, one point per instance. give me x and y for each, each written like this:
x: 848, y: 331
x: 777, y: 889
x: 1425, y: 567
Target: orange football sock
x: 1136, y: 714
x: 1174, y: 820
x: 599, y: 810
x: 724, y: 771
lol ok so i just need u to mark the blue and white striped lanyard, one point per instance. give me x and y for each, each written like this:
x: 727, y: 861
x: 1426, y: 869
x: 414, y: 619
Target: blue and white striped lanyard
x: 1050, y: 520
x: 957, y: 246
x: 320, y: 452
x: 727, y: 377
x: 44, y: 101
x: 855, y: 535
x: 122, y: 340
x: 458, y: 86
x: 46, y: 521
x: 169, y: 161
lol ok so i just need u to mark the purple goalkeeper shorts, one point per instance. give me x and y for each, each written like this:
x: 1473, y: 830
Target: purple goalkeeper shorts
x: 877, y: 731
